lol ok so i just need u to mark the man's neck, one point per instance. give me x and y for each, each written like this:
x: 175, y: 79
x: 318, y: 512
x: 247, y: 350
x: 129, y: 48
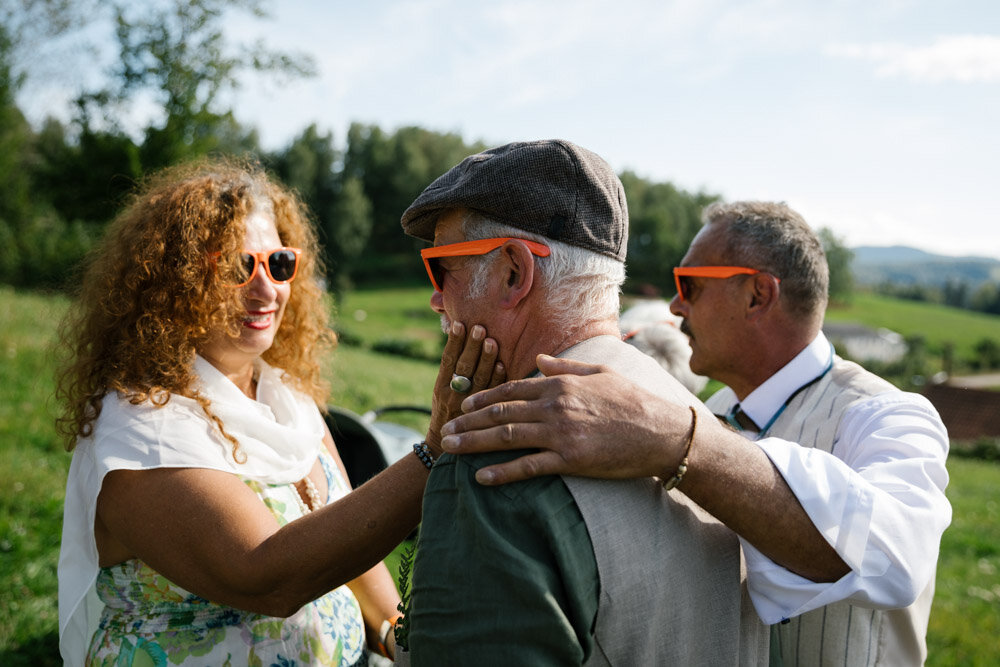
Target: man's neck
x: 546, y: 339
x: 768, y: 362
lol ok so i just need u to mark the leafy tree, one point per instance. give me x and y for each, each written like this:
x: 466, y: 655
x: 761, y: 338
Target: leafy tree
x: 176, y: 53
x: 85, y: 179
x: 309, y: 165
x: 347, y: 232
x: 36, y: 246
x: 838, y: 259
x: 955, y: 293
x: 15, y: 139
x: 987, y: 353
x: 32, y: 25
x: 394, y: 169
x: 10, y: 254
x: 908, y: 291
x: 342, y: 211
x: 987, y: 298
x: 27, y: 28
x: 662, y: 222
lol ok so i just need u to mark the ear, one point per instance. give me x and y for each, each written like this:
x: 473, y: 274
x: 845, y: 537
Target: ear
x: 764, y: 293
x: 518, y: 273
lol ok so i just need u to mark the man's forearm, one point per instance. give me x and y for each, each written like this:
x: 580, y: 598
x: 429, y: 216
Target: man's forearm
x: 735, y: 481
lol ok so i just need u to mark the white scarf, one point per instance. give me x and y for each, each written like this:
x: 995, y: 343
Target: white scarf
x: 280, y: 434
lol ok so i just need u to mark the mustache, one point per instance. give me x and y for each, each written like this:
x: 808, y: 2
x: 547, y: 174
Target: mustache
x: 685, y: 329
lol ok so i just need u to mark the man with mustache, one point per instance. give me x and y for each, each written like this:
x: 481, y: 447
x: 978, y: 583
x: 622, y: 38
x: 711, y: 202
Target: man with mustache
x: 833, y: 478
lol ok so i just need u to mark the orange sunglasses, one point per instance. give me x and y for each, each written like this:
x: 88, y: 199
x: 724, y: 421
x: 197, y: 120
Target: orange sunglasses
x: 281, y: 265
x: 682, y: 273
x: 468, y: 249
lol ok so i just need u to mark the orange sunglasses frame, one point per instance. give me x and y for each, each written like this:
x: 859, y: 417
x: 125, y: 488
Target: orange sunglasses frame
x: 711, y: 272
x: 473, y: 248
x: 260, y: 259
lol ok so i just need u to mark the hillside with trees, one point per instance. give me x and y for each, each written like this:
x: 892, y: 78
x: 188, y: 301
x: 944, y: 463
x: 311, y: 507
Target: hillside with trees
x: 60, y: 183
x: 972, y: 283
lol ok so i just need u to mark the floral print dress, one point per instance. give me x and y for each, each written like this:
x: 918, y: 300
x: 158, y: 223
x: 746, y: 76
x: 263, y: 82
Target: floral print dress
x: 149, y: 620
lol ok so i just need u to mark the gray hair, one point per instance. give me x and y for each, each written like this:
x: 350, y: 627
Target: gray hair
x: 580, y: 285
x: 771, y: 237
x: 650, y: 327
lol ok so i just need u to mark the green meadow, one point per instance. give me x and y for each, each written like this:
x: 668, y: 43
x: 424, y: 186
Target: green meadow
x: 965, y: 623
x: 937, y: 324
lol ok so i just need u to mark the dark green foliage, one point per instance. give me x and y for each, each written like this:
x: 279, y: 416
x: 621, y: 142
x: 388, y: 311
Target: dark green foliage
x: 348, y: 337
x: 662, y: 222
x: 85, y: 178
x: 46, y: 252
x: 413, y: 349
x: 987, y: 354
x: 15, y: 138
x: 987, y: 298
x: 392, y: 170
x: 338, y: 203
x: 985, y: 449
x: 402, y: 629
x: 60, y: 186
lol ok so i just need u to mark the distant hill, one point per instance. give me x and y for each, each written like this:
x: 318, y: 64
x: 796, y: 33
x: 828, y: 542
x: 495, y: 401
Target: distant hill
x: 900, y: 265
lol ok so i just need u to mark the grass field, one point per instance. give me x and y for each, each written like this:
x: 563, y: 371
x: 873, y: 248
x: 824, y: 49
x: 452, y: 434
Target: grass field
x: 937, y: 324
x: 965, y: 623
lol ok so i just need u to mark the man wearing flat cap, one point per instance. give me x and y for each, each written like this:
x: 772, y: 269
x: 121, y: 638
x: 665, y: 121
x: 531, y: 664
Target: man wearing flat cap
x: 529, y: 241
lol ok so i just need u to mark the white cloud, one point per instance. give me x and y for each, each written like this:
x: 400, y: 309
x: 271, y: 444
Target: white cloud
x: 961, y: 58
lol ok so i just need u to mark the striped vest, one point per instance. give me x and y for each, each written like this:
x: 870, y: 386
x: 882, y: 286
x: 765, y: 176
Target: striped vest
x: 842, y: 633
x: 673, y: 582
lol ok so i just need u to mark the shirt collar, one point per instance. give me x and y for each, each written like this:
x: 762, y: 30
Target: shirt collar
x: 765, y: 401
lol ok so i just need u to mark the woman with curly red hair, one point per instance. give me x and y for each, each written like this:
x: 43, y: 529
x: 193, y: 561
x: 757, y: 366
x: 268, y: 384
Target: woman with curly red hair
x: 208, y: 518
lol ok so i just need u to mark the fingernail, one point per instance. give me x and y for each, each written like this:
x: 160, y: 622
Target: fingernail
x: 478, y: 332
x: 448, y: 442
x: 488, y: 347
x: 485, y: 476
x: 456, y: 328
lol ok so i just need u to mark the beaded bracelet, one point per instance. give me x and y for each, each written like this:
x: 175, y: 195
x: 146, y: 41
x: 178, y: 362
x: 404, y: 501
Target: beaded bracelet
x: 423, y: 453
x: 682, y: 468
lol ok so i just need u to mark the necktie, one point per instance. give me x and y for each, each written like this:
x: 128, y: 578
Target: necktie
x: 742, y: 421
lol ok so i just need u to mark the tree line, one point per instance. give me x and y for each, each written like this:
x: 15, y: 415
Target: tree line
x: 984, y: 297
x: 62, y: 182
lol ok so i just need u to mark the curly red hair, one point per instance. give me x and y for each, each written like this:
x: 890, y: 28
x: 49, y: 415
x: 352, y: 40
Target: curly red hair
x: 150, y: 294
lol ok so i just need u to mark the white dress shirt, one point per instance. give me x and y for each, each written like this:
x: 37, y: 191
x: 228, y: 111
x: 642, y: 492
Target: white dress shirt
x: 878, y: 499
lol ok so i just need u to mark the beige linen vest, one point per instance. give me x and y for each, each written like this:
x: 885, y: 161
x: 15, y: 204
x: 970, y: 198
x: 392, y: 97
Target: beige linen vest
x: 842, y: 633
x: 673, y: 584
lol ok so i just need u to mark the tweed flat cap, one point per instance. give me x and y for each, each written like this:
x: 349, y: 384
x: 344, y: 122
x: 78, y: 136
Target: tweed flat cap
x: 553, y: 188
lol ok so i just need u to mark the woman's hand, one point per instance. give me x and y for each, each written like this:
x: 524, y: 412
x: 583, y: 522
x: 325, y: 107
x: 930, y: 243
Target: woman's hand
x: 473, y: 357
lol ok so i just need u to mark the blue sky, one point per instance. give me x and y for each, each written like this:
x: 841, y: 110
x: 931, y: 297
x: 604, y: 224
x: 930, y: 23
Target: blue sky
x: 878, y: 119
